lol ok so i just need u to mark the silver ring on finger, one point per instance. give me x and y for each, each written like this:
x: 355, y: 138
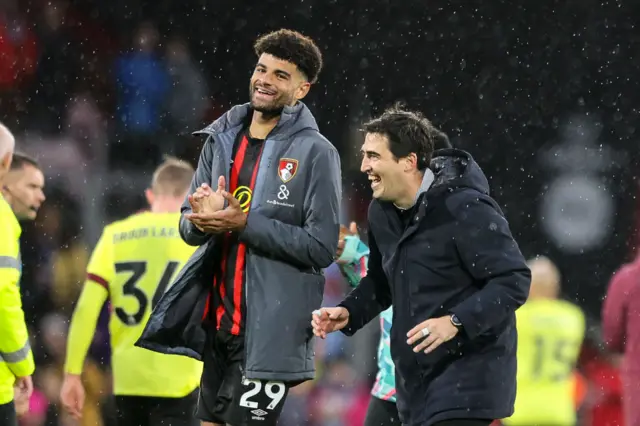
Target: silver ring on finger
x: 425, y: 332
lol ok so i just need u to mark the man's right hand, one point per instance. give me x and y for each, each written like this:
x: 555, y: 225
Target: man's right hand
x: 72, y: 395
x: 328, y: 320
x: 206, y: 202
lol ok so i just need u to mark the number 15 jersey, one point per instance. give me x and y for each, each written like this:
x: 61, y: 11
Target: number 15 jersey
x: 132, y: 265
x: 550, y: 335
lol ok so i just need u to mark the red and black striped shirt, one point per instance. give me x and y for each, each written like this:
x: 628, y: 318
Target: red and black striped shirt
x: 230, y: 281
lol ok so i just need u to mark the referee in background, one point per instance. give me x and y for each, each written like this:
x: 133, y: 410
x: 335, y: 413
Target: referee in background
x: 16, y: 358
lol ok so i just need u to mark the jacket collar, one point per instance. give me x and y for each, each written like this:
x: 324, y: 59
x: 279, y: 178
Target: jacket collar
x: 292, y: 120
x: 427, y: 181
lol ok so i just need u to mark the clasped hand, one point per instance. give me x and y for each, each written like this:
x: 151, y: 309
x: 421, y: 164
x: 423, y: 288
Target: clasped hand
x: 208, y: 214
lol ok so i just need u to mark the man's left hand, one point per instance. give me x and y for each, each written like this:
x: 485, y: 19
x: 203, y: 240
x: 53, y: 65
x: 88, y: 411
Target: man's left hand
x: 434, y: 331
x: 231, y: 218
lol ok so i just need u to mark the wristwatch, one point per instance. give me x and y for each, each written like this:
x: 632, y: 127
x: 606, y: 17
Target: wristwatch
x: 455, y: 321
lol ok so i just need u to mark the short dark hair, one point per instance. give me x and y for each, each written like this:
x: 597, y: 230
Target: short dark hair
x: 407, y: 131
x: 291, y: 46
x: 172, y: 177
x: 20, y: 159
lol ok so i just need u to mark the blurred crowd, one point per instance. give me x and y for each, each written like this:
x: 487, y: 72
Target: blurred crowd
x: 99, y: 110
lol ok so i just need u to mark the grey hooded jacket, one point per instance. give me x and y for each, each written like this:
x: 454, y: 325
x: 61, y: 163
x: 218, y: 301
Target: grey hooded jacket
x: 291, y: 234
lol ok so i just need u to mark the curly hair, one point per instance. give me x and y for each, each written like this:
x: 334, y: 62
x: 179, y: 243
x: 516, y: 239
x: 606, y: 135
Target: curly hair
x: 291, y: 46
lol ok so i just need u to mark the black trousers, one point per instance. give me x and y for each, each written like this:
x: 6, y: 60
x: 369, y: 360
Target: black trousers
x: 382, y: 413
x: 385, y: 413
x: 464, y: 422
x: 155, y: 411
x: 8, y: 414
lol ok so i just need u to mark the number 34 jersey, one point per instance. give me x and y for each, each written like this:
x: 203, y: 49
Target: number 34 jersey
x: 550, y: 335
x: 132, y: 265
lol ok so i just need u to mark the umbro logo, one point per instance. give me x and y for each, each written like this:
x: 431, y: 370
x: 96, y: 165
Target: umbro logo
x: 259, y: 414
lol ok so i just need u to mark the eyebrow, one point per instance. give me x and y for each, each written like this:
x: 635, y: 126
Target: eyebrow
x: 277, y: 71
x: 370, y: 153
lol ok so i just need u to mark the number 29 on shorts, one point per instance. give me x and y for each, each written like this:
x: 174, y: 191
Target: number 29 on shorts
x: 274, y: 390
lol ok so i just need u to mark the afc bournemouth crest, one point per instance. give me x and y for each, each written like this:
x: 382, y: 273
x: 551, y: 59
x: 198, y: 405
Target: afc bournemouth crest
x: 287, y: 169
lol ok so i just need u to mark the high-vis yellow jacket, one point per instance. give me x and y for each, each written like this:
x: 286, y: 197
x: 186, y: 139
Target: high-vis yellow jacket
x: 16, y: 359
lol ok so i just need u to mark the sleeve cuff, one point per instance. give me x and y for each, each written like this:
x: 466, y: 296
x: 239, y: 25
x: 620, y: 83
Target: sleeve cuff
x: 468, y: 327
x: 348, y: 330
x: 254, y: 222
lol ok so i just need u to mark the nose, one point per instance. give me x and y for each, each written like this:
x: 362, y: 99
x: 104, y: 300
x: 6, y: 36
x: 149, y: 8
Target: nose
x: 41, y: 197
x: 364, y: 166
x: 265, y: 79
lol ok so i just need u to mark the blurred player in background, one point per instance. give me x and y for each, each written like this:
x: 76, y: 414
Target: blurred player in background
x: 353, y: 255
x: 132, y: 265
x: 550, y: 335
x: 621, y: 332
x: 16, y: 358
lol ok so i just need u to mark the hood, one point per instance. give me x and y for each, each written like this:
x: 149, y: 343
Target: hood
x: 294, y: 119
x: 454, y: 168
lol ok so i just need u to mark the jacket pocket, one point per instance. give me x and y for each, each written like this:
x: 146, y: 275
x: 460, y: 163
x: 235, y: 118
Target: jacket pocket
x: 281, y: 293
x: 280, y: 297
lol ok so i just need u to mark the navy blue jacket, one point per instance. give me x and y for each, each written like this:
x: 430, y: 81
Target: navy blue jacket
x: 456, y: 255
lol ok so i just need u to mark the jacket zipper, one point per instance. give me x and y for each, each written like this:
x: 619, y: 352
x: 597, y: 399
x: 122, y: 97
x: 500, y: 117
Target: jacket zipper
x: 247, y: 328
x: 402, y: 262
x: 248, y: 254
x: 416, y: 218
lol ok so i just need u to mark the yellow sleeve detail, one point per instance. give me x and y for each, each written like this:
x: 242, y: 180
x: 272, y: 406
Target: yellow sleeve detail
x: 101, y: 262
x: 14, y: 337
x: 83, y: 325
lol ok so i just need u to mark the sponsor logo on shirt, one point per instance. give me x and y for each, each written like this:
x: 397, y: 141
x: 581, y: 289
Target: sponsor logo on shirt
x: 243, y: 194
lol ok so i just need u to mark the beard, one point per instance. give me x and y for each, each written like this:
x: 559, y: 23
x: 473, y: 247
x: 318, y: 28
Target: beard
x: 270, y: 109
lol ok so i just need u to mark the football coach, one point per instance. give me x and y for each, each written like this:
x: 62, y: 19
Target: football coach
x: 442, y: 253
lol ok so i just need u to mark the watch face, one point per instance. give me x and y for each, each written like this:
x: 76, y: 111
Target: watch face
x: 455, y: 321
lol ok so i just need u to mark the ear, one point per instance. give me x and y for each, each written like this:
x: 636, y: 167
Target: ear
x: 302, y: 90
x: 411, y: 162
x: 148, y: 193
x: 5, y: 162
